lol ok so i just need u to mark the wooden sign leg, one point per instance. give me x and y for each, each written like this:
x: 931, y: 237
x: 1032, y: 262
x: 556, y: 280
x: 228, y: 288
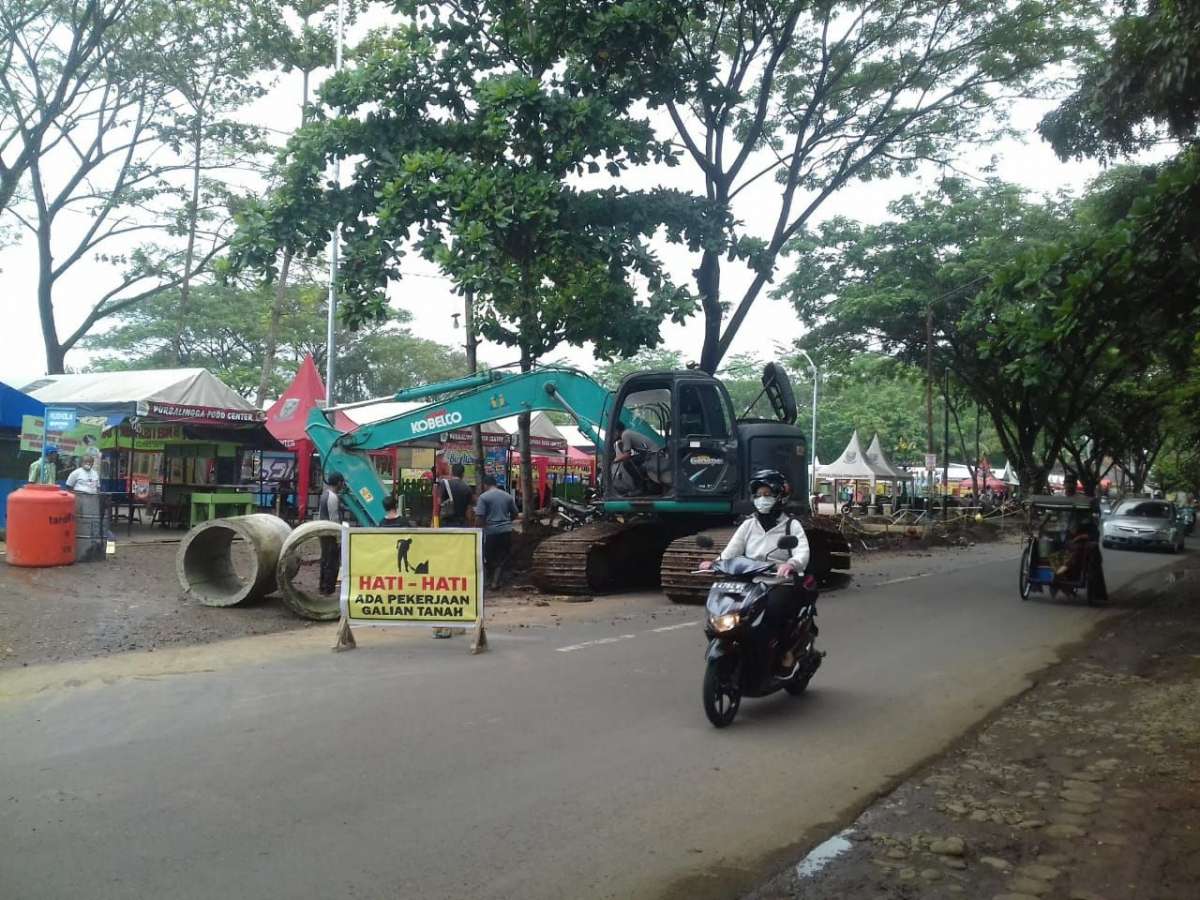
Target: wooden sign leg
x: 479, y: 641
x: 345, y: 637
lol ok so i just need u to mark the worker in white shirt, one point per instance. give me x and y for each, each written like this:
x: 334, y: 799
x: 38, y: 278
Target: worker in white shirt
x: 85, y: 479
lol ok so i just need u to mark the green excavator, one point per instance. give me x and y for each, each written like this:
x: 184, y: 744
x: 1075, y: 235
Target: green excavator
x: 688, y: 479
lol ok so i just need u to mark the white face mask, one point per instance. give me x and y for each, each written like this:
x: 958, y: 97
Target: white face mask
x: 764, y: 504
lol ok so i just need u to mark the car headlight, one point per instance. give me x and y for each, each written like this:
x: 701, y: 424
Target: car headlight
x: 727, y: 622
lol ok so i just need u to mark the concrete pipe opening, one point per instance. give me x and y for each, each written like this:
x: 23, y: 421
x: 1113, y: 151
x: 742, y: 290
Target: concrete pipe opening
x: 300, y: 570
x: 227, y: 561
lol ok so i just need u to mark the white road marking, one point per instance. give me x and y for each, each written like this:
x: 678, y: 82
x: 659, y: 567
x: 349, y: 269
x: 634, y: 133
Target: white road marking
x: 609, y: 640
x: 905, y: 578
x: 622, y: 637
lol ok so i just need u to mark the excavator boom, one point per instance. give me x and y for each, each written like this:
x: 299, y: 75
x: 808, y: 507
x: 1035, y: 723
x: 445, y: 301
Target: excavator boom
x: 475, y: 400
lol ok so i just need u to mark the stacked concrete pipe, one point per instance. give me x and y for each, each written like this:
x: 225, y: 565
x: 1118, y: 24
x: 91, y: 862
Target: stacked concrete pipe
x: 204, y: 562
x: 320, y: 608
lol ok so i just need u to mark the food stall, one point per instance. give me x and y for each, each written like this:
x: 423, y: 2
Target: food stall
x: 178, y: 442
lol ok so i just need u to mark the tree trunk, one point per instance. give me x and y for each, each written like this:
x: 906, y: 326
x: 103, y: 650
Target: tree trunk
x: 193, y: 217
x: 271, y: 341
x: 527, y: 498
x: 55, y: 354
x: 708, y: 281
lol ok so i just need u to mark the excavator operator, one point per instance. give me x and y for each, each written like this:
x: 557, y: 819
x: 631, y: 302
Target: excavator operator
x: 638, y: 467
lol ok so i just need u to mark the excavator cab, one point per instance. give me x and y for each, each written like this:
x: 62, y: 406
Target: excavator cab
x: 671, y: 436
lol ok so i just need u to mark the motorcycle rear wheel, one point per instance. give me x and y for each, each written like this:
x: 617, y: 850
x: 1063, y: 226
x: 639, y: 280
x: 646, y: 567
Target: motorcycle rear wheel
x: 722, y: 696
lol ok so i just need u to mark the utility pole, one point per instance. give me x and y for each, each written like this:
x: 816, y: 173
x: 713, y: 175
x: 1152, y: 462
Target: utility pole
x: 473, y: 367
x: 929, y: 450
x: 331, y: 320
x: 812, y: 438
x: 946, y: 443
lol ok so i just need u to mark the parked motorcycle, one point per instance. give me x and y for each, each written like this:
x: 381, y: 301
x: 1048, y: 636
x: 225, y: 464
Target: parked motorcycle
x: 568, y: 515
x: 736, y: 605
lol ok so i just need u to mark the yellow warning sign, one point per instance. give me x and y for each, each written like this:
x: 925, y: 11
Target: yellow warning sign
x: 413, y: 576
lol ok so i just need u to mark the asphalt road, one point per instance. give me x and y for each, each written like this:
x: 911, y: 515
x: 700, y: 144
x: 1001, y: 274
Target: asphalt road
x: 573, y: 760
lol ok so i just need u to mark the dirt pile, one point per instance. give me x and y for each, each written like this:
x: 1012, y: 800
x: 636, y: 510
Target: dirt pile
x: 1087, y: 787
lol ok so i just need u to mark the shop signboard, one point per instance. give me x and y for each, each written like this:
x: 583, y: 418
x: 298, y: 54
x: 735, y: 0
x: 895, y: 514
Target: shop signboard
x: 82, y: 436
x: 206, y: 415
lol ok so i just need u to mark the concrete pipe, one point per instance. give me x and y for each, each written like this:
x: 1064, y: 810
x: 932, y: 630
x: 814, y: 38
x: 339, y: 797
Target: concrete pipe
x: 306, y: 601
x: 205, y: 562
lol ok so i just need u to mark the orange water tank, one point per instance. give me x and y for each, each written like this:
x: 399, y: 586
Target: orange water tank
x: 41, y: 526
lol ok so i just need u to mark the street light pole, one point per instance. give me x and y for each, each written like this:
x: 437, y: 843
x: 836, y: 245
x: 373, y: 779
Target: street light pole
x: 812, y: 438
x: 331, y: 319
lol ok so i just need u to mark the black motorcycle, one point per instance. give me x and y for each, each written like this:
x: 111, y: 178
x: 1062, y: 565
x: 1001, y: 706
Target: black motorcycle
x: 569, y: 516
x: 736, y: 608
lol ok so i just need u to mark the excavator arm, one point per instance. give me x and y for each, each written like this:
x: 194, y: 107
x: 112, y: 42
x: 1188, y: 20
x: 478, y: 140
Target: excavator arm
x: 475, y: 400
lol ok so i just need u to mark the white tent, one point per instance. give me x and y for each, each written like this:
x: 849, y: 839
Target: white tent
x: 853, y: 465
x: 163, y: 393
x: 1008, y: 476
x: 878, y: 459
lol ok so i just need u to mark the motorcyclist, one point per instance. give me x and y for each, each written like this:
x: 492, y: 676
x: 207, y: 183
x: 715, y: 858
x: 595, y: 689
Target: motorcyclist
x: 758, y: 538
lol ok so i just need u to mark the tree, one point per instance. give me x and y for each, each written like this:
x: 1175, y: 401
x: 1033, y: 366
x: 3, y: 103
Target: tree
x: 921, y: 275
x: 50, y: 55
x: 306, y: 49
x: 482, y: 114
x: 226, y: 42
x: 612, y: 373
x: 223, y: 332
x: 1144, y: 83
x: 102, y: 186
x: 816, y: 95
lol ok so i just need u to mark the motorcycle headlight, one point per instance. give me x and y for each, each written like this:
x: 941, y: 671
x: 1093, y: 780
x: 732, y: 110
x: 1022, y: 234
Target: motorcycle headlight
x: 726, y: 622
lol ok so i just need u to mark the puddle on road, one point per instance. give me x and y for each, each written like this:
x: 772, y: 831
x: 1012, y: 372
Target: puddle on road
x: 823, y: 854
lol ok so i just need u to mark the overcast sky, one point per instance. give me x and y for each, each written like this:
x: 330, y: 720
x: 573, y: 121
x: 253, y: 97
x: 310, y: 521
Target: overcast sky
x: 428, y: 297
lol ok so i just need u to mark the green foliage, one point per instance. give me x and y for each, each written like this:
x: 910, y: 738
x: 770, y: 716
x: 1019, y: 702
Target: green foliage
x: 483, y: 115
x: 1036, y: 310
x: 612, y: 373
x: 818, y: 95
x: 223, y: 332
x: 1145, y: 81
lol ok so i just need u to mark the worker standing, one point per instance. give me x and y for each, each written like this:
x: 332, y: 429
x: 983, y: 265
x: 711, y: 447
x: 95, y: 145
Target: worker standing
x: 44, y: 469
x: 329, y: 509
x: 495, y: 511
x: 456, y: 497
x: 85, y: 479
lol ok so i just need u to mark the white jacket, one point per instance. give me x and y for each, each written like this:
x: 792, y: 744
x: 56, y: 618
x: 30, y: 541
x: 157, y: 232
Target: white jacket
x: 751, y: 540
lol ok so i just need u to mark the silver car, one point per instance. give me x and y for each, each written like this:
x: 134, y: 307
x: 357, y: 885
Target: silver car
x: 1144, y: 523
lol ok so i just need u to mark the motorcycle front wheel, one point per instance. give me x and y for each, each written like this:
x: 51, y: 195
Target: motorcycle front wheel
x: 722, y: 696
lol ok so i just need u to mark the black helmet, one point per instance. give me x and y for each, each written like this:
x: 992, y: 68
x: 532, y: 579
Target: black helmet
x: 772, y: 478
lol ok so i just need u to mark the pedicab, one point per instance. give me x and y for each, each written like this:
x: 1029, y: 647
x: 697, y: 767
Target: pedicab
x: 1062, y: 549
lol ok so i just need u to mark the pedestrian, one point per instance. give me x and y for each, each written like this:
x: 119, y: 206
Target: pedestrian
x: 44, y: 469
x: 456, y: 497
x: 85, y: 479
x: 329, y: 509
x: 495, y: 511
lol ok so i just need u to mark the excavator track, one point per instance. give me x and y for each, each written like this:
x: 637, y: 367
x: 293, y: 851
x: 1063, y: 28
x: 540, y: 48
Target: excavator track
x: 681, y: 581
x: 601, y: 558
